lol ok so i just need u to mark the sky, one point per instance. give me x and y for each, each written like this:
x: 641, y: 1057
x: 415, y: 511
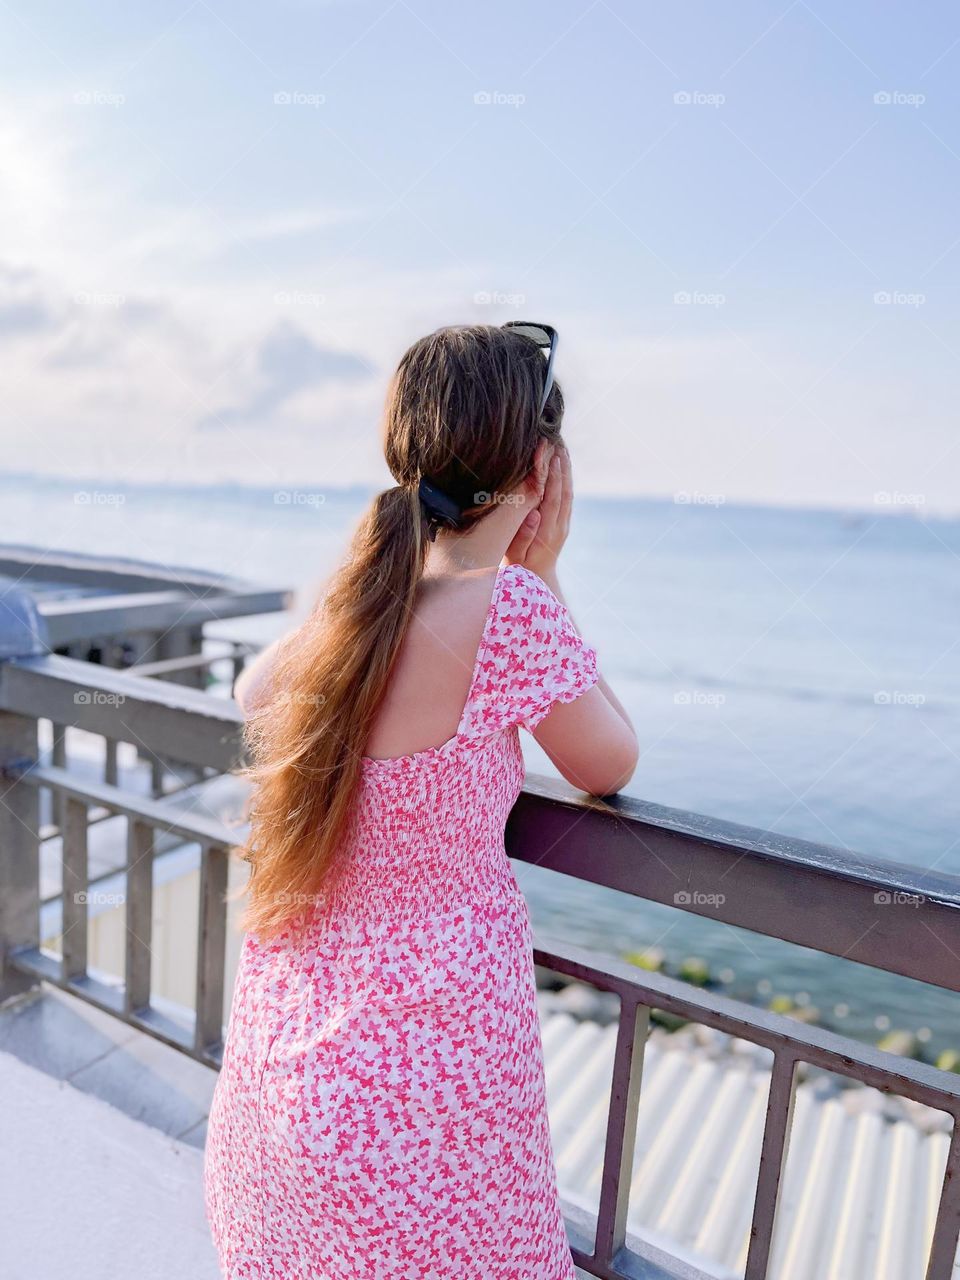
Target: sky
x: 221, y: 225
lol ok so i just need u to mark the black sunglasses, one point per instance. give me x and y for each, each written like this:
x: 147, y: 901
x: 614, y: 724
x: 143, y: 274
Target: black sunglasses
x: 545, y: 336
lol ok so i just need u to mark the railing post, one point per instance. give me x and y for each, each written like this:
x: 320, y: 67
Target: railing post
x: 943, y: 1248
x: 58, y: 757
x: 139, y: 916
x: 22, y: 633
x: 211, y: 947
x: 773, y: 1158
x: 632, y: 1032
x: 73, y: 938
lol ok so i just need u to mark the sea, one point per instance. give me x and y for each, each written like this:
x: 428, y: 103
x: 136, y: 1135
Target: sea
x: 795, y: 670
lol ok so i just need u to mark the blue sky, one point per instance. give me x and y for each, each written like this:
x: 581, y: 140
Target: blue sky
x: 221, y: 224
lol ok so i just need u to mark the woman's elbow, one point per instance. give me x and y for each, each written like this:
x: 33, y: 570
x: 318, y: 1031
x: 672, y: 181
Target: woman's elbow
x: 608, y: 775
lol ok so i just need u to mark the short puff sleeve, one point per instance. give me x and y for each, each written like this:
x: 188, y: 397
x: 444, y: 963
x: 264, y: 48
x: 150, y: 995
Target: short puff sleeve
x: 534, y: 656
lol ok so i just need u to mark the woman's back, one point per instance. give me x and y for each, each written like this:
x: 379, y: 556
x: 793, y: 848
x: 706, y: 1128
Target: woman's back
x: 430, y: 681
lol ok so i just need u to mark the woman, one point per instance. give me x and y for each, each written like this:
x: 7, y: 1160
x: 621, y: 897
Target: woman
x: 380, y: 1112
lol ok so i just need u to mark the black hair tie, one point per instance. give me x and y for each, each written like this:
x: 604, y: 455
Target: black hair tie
x: 441, y: 508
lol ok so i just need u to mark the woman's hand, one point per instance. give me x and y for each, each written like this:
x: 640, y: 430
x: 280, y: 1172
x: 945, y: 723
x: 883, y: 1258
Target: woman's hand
x: 540, y: 538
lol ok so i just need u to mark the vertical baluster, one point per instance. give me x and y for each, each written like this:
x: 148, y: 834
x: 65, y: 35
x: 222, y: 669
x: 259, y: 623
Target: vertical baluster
x: 139, y: 915
x: 58, y: 756
x: 943, y: 1250
x: 19, y: 850
x: 157, y: 771
x: 110, y: 766
x: 211, y: 947
x: 73, y: 962
x: 773, y: 1156
x: 621, y: 1130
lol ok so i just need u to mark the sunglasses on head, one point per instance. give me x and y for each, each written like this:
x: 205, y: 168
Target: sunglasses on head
x: 545, y: 336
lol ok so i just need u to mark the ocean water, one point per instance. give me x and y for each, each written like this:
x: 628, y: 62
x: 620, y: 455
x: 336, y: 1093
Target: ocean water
x: 794, y: 670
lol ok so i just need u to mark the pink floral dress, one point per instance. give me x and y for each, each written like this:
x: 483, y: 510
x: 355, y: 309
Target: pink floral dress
x: 381, y: 1114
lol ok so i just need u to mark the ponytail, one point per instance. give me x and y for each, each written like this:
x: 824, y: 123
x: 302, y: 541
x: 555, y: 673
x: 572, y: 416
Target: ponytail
x: 307, y: 739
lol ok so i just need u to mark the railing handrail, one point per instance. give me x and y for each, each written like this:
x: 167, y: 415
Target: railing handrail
x: 117, y: 573
x: 885, y: 914
x: 810, y: 894
x: 86, y: 617
x: 180, y: 723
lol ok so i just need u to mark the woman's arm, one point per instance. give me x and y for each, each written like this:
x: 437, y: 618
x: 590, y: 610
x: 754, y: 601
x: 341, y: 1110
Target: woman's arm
x: 591, y: 740
x: 252, y: 686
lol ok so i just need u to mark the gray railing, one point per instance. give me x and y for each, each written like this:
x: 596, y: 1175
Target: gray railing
x: 823, y: 898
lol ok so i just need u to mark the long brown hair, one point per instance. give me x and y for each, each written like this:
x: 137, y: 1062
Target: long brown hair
x: 462, y: 413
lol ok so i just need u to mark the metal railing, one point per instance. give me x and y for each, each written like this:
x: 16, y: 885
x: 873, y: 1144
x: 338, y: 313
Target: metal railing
x: 819, y: 897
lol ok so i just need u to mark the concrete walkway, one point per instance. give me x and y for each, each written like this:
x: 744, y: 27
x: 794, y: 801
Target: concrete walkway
x: 87, y: 1192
